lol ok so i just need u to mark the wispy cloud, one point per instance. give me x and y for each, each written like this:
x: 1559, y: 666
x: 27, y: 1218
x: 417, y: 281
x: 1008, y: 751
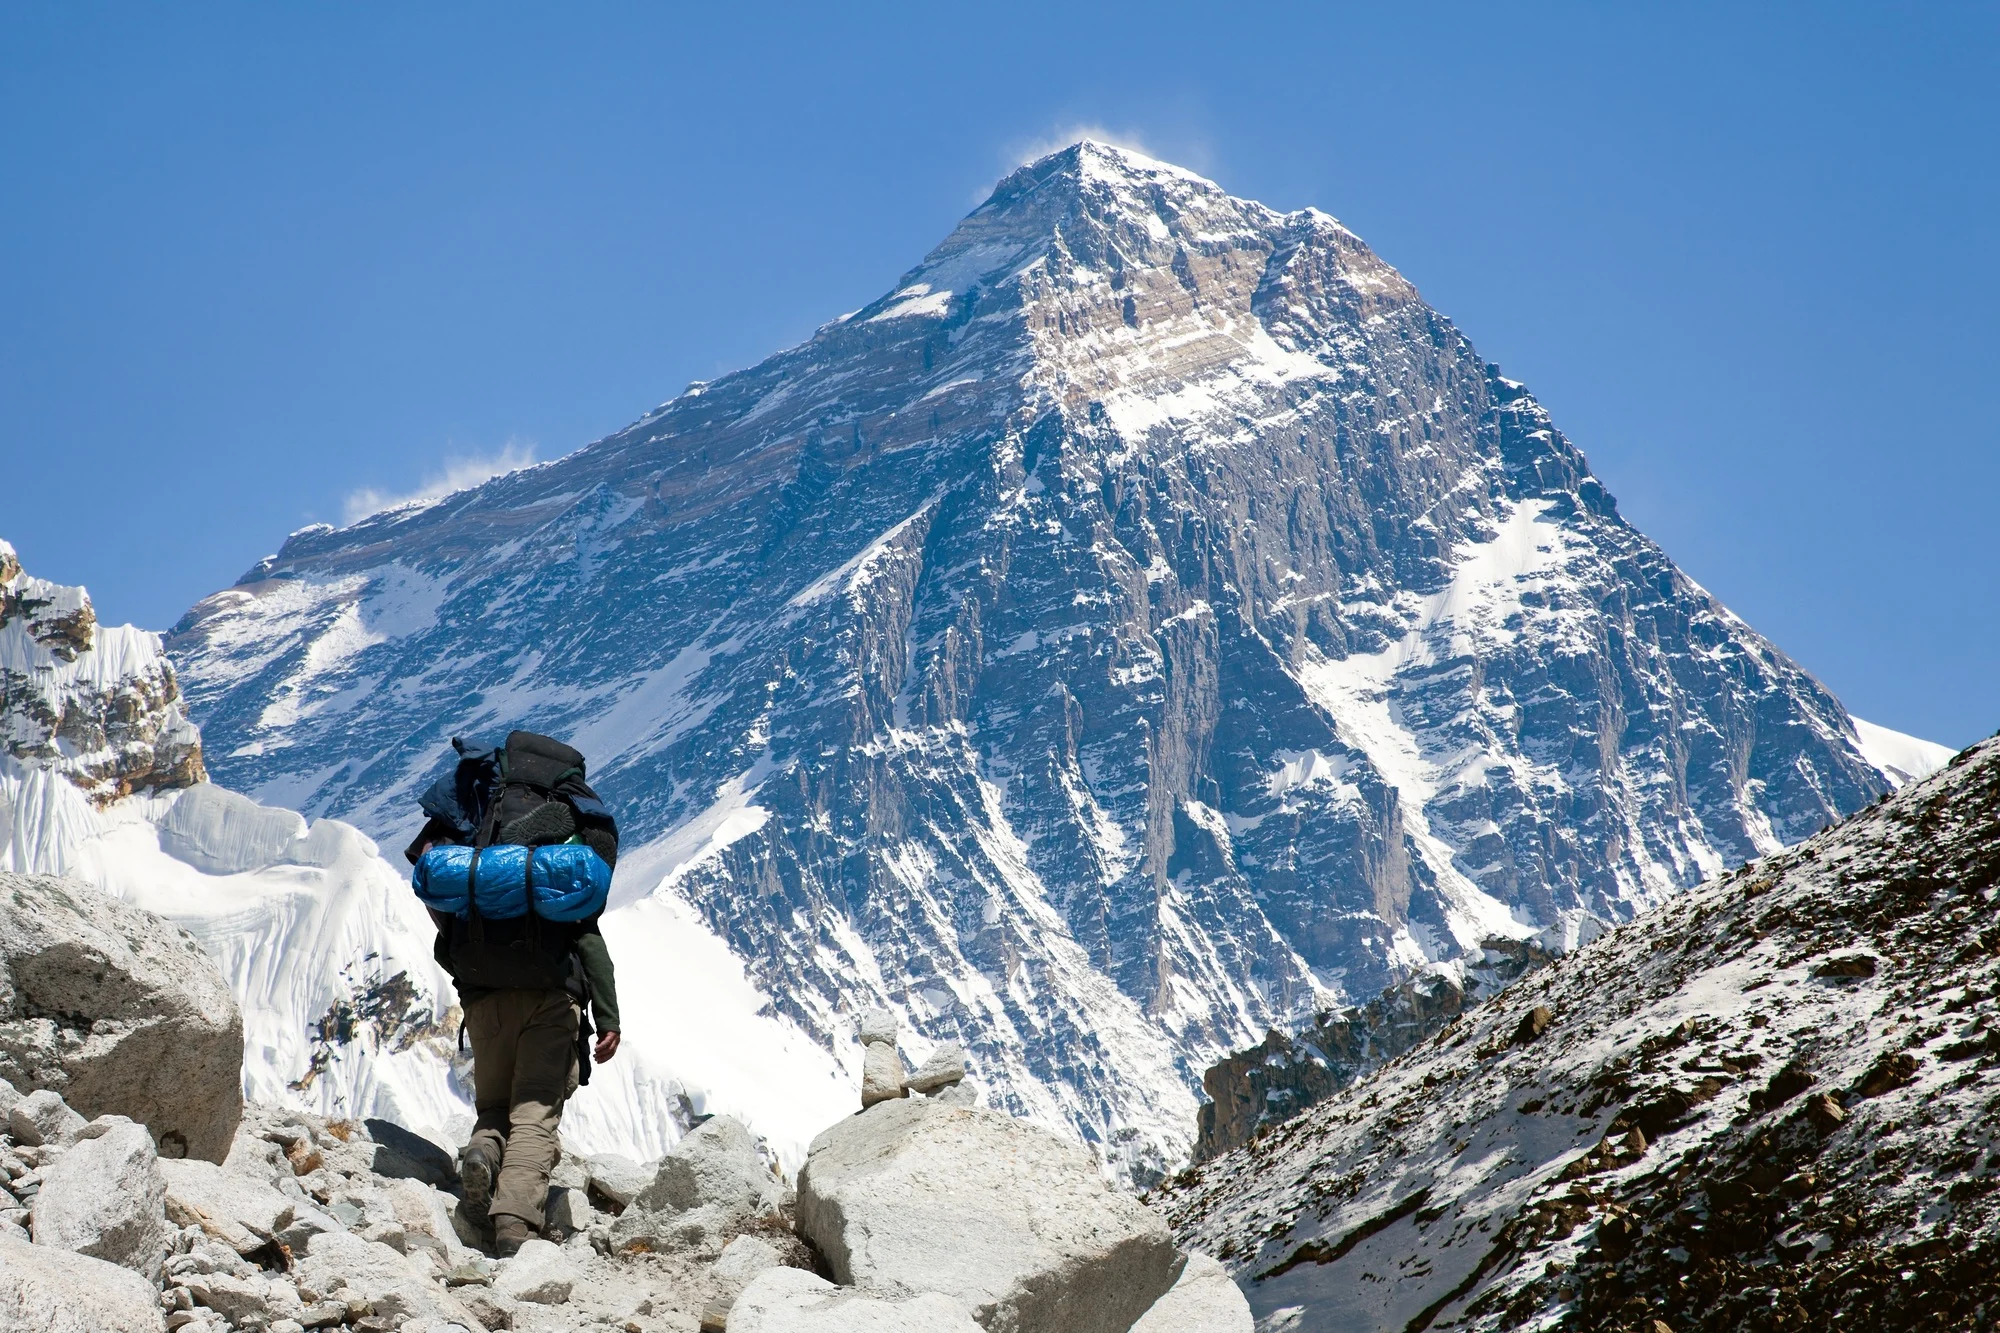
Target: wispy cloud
x: 458, y: 474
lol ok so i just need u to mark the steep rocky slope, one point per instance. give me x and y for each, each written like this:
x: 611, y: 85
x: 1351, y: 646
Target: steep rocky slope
x: 1146, y: 624
x: 173, y: 1206
x: 1772, y: 1104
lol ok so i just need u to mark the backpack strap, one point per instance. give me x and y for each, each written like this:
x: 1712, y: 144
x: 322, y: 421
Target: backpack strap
x: 475, y: 925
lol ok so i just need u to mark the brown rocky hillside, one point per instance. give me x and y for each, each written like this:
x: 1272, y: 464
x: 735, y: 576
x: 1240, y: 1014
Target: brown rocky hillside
x: 1772, y: 1104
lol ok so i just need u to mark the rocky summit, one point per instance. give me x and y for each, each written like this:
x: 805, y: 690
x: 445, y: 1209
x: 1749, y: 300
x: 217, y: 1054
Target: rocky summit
x: 1147, y: 624
x: 1770, y: 1104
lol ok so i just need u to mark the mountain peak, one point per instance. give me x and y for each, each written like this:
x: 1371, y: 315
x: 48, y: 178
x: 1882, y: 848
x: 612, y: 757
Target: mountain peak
x: 1148, y: 621
x: 1096, y: 178
x: 1092, y: 215
x: 1098, y: 159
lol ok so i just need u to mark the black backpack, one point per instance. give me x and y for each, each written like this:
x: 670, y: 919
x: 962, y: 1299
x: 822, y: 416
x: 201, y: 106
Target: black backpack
x: 529, y: 792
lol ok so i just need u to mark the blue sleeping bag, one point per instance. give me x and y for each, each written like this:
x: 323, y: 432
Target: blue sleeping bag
x: 570, y: 881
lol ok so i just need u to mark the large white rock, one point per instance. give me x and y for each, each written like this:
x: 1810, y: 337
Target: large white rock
x: 945, y: 1067
x: 46, y: 1290
x: 306, y: 1222
x: 881, y: 1074
x: 877, y: 1027
x: 791, y: 1300
x: 1013, y: 1222
x: 705, y: 1192
x: 43, y: 1117
x: 742, y: 1260
x: 345, y: 1267
x: 147, y: 1026
x: 618, y: 1179
x: 242, y: 1299
x: 1205, y: 1300
x: 540, y: 1274
x: 567, y: 1213
x: 106, y: 1198
x: 425, y: 1214
x: 237, y: 1209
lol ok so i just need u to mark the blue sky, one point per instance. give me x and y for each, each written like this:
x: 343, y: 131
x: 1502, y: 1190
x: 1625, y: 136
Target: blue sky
x: 261, y: 264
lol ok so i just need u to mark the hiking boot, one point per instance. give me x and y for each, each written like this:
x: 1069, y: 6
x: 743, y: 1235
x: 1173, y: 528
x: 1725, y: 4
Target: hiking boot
x: 509, y: 1235
x: 476, y: 1169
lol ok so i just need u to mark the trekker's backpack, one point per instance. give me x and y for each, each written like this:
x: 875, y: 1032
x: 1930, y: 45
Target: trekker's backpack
x: 519, y: 860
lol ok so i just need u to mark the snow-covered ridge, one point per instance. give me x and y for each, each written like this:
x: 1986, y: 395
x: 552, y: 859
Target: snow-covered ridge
x: 97, y: 704
x: 1901, y: 758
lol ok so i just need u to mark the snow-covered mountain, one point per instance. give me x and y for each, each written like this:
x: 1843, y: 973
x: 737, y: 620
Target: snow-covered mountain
x: 1147, y: 623
x: 1768, y: 1105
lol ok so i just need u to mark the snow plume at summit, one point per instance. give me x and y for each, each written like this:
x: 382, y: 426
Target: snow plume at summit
x: 1144, y: 623
x: 458, y: 474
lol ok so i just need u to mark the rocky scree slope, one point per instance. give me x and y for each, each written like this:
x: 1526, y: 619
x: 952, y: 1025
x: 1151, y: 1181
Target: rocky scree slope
x: 298, y: 1222
x: 1771, y: 1104
x: 1148, y: 623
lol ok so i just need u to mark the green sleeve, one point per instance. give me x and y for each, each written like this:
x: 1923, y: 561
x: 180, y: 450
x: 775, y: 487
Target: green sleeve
x: 603, y: 986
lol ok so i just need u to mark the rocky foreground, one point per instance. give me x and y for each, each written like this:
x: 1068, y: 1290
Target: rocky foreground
x: 1771, y: 1104
x: 921, y: 1213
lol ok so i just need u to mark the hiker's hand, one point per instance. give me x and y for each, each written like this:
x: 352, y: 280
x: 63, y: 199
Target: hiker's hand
x: 607, y: 1046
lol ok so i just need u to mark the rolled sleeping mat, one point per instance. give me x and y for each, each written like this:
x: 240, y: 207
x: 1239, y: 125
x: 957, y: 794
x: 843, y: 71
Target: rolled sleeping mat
x: 570, y: 881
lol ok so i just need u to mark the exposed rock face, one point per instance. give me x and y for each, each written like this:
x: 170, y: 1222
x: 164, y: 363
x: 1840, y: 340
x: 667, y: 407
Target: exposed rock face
x: 98, y: 705
x: 1012, y: 1222
x: 703, y: 1193
x: 1283, y: 1075
x: 118, y: 1011
x: 1148, y: 624
x: 1718, y: 1117
x: 48, y: 1290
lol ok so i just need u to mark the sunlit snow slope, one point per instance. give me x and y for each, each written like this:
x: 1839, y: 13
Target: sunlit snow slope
x: 1145, y: 623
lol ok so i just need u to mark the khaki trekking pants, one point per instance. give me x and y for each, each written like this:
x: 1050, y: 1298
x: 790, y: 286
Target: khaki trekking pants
x: 523, y: 1070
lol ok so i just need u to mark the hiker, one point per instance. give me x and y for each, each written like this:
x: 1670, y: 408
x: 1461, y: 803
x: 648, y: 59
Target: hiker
x: 514, y: 865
